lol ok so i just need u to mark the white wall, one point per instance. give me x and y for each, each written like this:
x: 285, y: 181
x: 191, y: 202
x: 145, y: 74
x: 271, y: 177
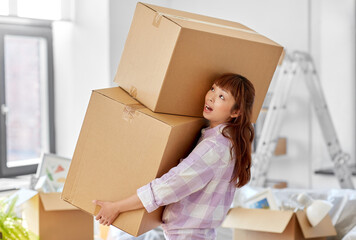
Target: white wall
x: 81, y: 63
x: 121, y: 14
x: 334, y: 50
x: 87, y: 53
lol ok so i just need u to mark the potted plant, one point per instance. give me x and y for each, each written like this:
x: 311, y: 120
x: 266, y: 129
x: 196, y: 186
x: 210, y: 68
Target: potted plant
x: 11, y: 225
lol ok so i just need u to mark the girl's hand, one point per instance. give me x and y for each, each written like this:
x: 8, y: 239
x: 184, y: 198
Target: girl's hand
x: 108, y: 213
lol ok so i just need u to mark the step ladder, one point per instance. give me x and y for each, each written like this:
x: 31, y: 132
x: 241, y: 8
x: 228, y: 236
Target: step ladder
x: 297, y: 66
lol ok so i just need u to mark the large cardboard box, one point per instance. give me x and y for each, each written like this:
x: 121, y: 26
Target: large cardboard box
x: 171, y: 58
x: 275, y: 225
x: 50, y: 218
x: 123, y: 146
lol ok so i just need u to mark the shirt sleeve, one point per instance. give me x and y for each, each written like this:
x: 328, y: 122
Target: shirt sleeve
x: 190, y: 175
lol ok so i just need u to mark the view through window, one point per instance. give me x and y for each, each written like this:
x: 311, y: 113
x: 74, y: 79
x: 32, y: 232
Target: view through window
x: 26, y: 97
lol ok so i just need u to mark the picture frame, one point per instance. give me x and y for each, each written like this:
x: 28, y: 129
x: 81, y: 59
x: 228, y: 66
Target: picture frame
x: 55, y: 168
x: 262, y: 200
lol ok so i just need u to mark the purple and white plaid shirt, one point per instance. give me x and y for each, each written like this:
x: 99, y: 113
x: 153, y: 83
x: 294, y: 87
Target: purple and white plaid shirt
x: 197, y: 192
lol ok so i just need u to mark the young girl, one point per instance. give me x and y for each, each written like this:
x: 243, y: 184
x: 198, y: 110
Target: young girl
x: 199, y: 191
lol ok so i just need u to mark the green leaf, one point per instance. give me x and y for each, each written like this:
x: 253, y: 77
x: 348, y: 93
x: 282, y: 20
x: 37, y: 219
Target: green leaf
x: 11, y: 225
x: 11, y: 207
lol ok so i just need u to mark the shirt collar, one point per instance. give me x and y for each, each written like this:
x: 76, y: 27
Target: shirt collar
x: 208, y: 132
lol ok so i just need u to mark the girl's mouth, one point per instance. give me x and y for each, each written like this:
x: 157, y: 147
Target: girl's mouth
x: 207, y: 108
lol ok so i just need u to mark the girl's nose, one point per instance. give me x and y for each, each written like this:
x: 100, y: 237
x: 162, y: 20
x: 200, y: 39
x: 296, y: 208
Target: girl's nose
x: 210, y: 97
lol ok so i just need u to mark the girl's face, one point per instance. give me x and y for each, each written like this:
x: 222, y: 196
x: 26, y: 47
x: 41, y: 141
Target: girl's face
x: 218, y: 105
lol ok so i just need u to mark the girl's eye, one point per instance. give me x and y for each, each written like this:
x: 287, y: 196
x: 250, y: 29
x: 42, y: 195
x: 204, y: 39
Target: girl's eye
x: 222, y: 97
x: 212, y: 89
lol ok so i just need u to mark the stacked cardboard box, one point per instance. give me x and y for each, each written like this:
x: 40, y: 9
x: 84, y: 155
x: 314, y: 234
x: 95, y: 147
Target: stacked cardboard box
x: 274, y: 225
x: 123, y: 146
x: 172, y: 57
x: 169, y: 62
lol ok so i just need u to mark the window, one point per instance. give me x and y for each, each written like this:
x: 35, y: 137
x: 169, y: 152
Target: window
x: 41, y: 9
x: 4, y: 7
x: 26, y: 97
x: 36, y: 9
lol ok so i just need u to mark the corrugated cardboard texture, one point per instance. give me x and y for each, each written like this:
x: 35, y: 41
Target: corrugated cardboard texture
x: 53, y: 202
x: 170, y: 62
x: 258, y: 219
x: 324, y: 229
x: 150, y: 54
x: 275, y: 225
x: 173, y: 12
x: 289, y: 233
x: 208, y: 24
x: 67, y: 224
x: 57, y: 224
x: 117, y: 154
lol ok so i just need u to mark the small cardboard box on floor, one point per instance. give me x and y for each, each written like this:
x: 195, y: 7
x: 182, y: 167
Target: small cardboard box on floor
x: 51, y: 218
x: 121, y: 147
x: 263, y: 224
x: 171, y: 58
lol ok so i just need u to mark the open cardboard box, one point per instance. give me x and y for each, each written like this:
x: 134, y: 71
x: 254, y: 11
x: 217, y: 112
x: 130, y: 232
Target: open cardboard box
x: 171, y: 58
x: 275, y: 225
x: 121, y: 147
x: 51, y: 218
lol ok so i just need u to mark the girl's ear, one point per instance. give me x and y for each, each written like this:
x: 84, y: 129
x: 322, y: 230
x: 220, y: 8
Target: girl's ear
x: 235, y: 114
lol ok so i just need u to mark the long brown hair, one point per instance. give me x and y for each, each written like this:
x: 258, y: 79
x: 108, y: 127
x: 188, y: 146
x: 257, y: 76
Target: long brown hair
x: 239, y: 130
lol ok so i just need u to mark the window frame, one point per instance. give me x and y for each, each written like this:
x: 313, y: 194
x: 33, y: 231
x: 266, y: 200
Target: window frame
x: 28, y: 28
x: 66, y: 10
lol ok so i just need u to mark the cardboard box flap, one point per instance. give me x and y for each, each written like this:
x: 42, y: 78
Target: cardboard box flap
x: 324, y: 229
x: 257, y: 219
x: 120, y: 95
x: 53, y: 202
x: 208, y: 24
x: 186, y: 15
x: 172, y: 120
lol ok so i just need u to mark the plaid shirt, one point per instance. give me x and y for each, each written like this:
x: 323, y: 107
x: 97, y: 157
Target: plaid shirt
x: 197, y: 192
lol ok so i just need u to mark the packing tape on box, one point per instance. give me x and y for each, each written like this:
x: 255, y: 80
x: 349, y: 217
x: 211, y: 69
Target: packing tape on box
x: 133, y: 91
x: 159, y: 15
x: 130, y: 111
